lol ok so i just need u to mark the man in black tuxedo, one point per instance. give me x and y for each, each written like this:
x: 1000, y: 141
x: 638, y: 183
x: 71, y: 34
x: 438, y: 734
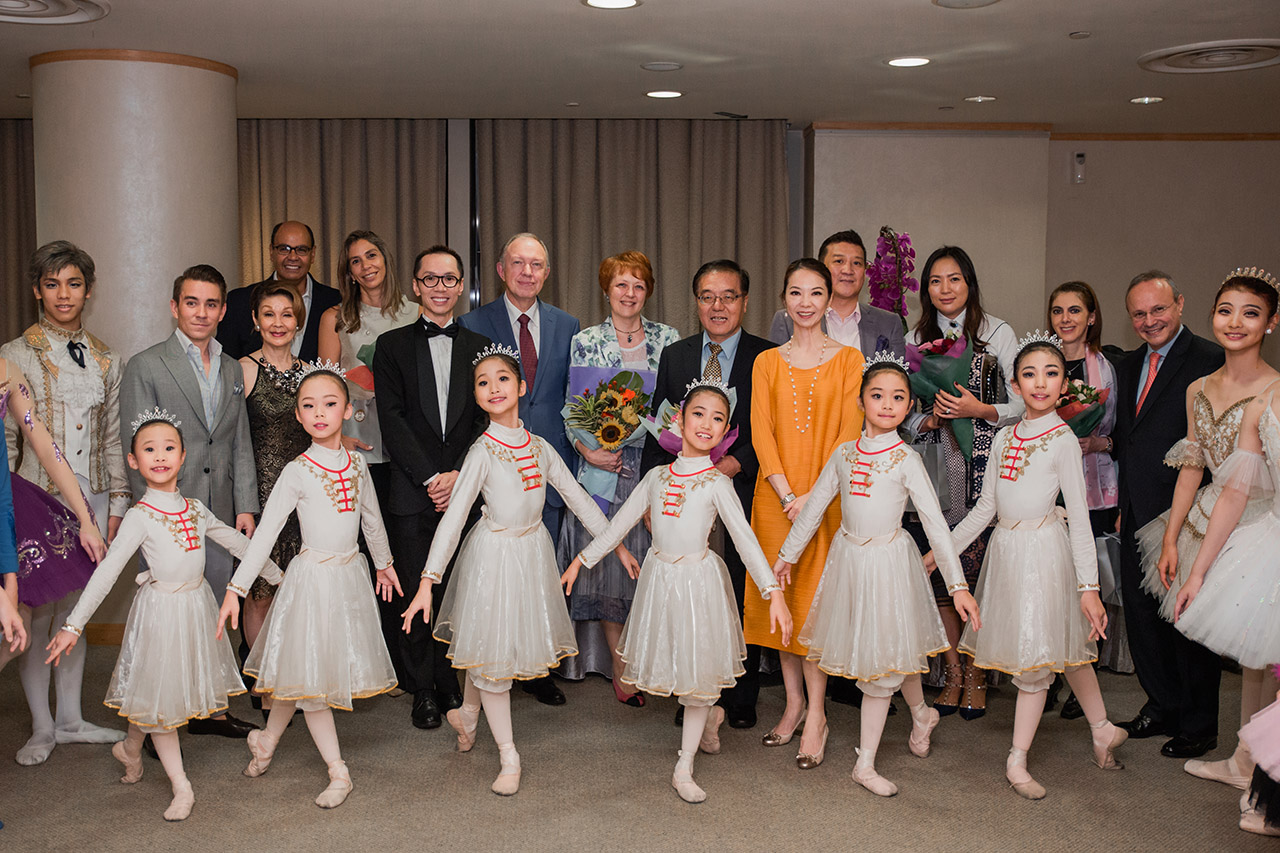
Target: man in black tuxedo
x: 429, y: 419
x: 722, y: 350
x: 293, y: 248
x: 1180, y: 677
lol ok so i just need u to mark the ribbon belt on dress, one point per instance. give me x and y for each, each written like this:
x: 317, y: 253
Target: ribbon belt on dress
x: 508, y: 531
x: 1056, y: 515
x: 145, y: 579
x: 322, y: 556
x: 882, y: 539
x: 671, y: 558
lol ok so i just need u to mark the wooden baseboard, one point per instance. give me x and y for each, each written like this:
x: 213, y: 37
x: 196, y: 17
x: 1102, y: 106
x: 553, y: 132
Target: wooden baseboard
x: 104, y: 634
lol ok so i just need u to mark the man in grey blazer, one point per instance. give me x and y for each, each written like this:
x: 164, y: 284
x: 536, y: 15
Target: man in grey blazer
x: 865, y: 327
x: 188, y: 375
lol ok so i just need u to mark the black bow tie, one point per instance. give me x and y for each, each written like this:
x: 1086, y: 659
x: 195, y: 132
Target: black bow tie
x: 449, y: 331
x: 77, y: 352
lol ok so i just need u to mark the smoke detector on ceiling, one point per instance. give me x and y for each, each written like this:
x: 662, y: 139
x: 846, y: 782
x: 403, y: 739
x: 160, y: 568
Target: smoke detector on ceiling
x: 52, y: 11
x: 1210, y: 57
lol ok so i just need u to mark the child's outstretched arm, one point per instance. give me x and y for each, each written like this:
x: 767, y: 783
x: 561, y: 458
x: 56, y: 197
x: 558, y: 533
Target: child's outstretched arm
x: 943, y: 557
x: 806, y: 522
x: 471, y: 477
x: 375, y: 536
x: 282, y: 501
x: 744, y: 538
x: 610, y: 537
x: 984, y: 511
x: 421, y: 603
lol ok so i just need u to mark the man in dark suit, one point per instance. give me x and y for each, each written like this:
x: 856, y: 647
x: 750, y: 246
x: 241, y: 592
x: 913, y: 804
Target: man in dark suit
x: 868, y: 329
x: 721, y: 288
x: 293, y: 248
x: 541, y: 333
x: 1180, y: 677
x: 429, y: 419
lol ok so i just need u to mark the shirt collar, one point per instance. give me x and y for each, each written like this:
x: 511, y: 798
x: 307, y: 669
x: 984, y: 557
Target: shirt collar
x: 215, y: 348
x: 957, y: 324
x: 855, y: 317
x: 514, y: 313
x: 424, y: 320
x: 728, y: 347
x: 1168, y: 345
x: 306, y: 292
x: 61, y: 335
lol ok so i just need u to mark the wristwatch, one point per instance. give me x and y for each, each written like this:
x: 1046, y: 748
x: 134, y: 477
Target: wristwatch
x: 787, y: 499
x: 1111, y: 445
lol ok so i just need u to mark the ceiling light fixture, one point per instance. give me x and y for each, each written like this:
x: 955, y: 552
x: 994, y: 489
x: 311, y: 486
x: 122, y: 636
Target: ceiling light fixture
x: 980, y: 99
x: 908, y: 62
x: 964, y: 4
x: 662, y: 66
x: 573, y: 104
x: 52, y: 11
x: 1078, y: 35
x: 1146, y: 100
x: 610, y: 4
x: 661, y: 94
x: 1210, y: 57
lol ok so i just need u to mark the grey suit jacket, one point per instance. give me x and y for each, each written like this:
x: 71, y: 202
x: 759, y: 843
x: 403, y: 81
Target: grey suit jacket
x: 879, y: 330
x: 219, y: 469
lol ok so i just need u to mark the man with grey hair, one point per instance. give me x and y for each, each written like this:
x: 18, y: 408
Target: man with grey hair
x: 1179, y: 676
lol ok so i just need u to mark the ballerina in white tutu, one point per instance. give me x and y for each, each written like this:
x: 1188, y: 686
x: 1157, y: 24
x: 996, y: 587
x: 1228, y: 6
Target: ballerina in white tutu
x: 873, y: 617
x: 171, y: 667
x: 684, y: 636
x: 503, y: 615
x: 1229, y: 602
x: 321, y: 645
x: 1039, y: 585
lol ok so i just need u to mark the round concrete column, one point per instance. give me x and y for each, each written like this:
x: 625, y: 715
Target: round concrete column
x: 135, y: 156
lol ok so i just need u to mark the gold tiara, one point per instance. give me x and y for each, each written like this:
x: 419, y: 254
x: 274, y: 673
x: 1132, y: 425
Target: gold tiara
x: 1254, y: 272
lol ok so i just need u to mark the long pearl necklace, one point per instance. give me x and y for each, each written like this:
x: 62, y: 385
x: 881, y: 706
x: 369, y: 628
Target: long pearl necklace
x: 813, y: 385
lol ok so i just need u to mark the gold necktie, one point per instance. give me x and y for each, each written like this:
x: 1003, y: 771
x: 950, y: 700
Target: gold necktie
x: 712, y: 370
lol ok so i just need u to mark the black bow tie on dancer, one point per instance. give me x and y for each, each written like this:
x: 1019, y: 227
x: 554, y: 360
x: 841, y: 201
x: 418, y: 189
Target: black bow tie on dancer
x: 77, y: 352
x: 449, y: 331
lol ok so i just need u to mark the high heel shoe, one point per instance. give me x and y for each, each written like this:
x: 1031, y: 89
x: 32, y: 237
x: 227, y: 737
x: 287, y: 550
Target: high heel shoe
x: 1104, y: 748
x: 948, y: 701
x: 1028, y: 788
x: 634, y: 700
x: 806, y: 761
x: 973, y: 702
x: 777, y: 738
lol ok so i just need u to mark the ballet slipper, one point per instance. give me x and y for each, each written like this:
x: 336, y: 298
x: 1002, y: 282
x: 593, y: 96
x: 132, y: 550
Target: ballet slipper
x: 83, y: 732
x: 1255, y: 823
x: 132, y: 763
x: 508, y: 781
x: 1015, y: 770
x: 464, y: 723
x: 864, y: 773
x: 1235, y: 771
x: 923, y: 721
x: 339, y: 786
x: 682, y: 781
x: 710, y: 742
x: 1106, y: 738
x: 263, y: 747
x: 37, y: 749
x: 183, y: 799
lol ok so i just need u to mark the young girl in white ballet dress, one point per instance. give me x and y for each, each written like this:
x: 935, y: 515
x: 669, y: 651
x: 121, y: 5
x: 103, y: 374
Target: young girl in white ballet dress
x: 873, y: 617
x: 321, y: 645
x: 1230, y: 602
x: 684, y: 635
x: 171, y: 667
x: 503, y: 615
x: 1039, y: 587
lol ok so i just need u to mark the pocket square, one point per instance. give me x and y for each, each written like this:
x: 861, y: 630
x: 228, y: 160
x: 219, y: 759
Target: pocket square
x: 238, y: 388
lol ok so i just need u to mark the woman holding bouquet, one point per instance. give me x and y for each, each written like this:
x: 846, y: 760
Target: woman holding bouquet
x: 625, y: 341
x: 961, y: 358
x: 804, y: 404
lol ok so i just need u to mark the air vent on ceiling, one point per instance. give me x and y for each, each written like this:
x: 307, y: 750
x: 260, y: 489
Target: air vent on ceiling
x: 52, y: 11
x: 1213, y: 56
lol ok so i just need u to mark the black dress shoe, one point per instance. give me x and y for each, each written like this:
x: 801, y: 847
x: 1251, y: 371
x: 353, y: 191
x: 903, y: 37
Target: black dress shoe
x: 426, y: 713
x: 226, y: 726
x: 844, y: 691
x: 740, y: 717
x: 1071, y: 709
x: 1182, y: 746
x: 1143, y: 726
x: 448, y: 701
x: 544, y: 690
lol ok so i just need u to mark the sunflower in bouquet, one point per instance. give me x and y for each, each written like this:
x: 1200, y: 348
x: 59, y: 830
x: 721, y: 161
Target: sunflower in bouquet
x: 612, y: 412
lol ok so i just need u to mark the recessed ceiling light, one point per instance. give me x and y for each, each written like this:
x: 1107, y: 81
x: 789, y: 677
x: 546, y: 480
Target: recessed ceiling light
x: 946, y: 108
x: 1146, y: 100
x: 1079, y: 34
x: 662, y: 66
x: 980, y: 99
x: 610, y: 4
x: 572, y: 104
x: 23, y: 96
x: 964, y: 4
x: 908, y: 62
x: 664, y: 94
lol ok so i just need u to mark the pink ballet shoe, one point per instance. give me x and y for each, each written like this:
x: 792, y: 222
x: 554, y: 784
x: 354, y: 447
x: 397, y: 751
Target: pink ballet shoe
x: 864, y: 773
x: 508, y: 781
x: 464, y: 723
x: 1015, y: 770
x: 923, y: 722
x: 1254, y: 822
x: 1106, y: 739
x: 682, y: 781
x: 263, y: 747
x: 132, y: 763
x: 339, y: 789
x: 1231, y: 771
x: 710, y: 742
x: 183, y: 799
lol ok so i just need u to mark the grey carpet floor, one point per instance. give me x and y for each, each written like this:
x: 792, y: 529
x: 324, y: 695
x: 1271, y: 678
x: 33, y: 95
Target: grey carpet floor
x: 596, y: 777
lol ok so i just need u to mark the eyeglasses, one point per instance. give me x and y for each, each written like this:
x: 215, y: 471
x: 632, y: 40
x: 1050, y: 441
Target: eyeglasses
x: 712, y: 298
x: 284, y: 249
x: 430, y: 280
x: 1159, y: 312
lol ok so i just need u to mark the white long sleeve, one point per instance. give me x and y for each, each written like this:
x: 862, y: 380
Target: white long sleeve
x: 627, y: 517
x: 471, y: 476
x: 129, y: 538
x: 824, y: 491
x: 984, y: 511
x: 375, y: 532
x: 282, y: 501
x: 1069, y: 465
x: 916, y: 481
x: 575, y: 497
x: 744, y: 538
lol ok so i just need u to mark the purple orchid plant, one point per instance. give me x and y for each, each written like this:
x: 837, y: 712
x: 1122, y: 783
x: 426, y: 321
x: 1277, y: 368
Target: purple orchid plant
x: 890, y: 275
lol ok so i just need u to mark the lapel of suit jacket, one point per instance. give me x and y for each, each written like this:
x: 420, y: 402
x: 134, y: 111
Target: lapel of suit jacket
x: 428, y: 395
x: 1164, y: 375
x: 547, y: 333
x: 179, y: 366
x: 459, y: 382
x: 227, y: 382
x: 500, y: 323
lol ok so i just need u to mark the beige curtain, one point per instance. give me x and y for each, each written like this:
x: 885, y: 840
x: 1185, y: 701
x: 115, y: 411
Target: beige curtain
x: 339, y: 176
x: 683, y: 192
x: 17, y: 226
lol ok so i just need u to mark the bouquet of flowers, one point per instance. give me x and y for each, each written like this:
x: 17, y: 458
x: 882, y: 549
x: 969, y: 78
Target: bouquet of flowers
x: 941, y: 365
x: 1082, y: 407
x: 666, y: 429
x: 607, y: 418
x: 890, y: 276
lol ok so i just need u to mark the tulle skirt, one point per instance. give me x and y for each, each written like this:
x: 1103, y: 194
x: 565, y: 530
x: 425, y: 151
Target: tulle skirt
x: 321, y: 643
x: 504, y: 612
x: 171, y: 669
x: 684, y: 636
x: 874, y: 613
x: 1237, y: 611
x: 51, y: 563
x: 1262, y: 735
x: 1030, y: 603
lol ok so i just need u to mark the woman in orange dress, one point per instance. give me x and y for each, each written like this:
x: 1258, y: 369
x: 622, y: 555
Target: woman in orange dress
x: 804, y: 403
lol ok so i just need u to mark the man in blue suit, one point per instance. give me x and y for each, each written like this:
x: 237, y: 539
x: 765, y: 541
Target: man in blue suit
x: 541, y: 333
